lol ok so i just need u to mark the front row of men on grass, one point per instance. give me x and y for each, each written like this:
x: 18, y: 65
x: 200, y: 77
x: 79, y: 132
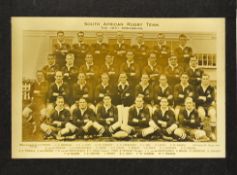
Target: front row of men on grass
x: 137, y: 121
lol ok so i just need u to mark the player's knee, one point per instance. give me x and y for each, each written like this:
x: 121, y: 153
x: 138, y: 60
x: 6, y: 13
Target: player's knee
x: 179, y: 132
x: 150, y: 109
x: 201, y: 113
x: 212, y: 111
x: 71, y: 127
x: 44, y: 127
x: 26, y: 112
x: 176, y: 112
x: 91, y: 106
x: 199, y: 134
x: 64, y: 131
x: 97, y: 126
x: 127, y: 128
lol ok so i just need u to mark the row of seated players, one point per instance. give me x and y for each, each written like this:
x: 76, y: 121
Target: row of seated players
x: 172, y: 69
x: 203, y: 94
x: 123, y: 93
x: 119, y: 49
x: 133, y: 122
x: 72, y: 79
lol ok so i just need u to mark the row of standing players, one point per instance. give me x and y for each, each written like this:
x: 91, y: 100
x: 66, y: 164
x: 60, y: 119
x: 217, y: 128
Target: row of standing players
x: 120, y: 48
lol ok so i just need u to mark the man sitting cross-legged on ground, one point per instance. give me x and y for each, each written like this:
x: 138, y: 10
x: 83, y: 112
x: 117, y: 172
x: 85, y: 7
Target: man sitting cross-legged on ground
x: 84, y: 121
x: 138, y: 119
x: 163, y: 122
x: 54, y: 125
x: 206, y: 104
x: 190, y: 123
x: 107, y: 115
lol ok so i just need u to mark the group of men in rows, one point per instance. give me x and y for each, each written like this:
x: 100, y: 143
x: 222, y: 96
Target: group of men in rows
x: 123, y: 91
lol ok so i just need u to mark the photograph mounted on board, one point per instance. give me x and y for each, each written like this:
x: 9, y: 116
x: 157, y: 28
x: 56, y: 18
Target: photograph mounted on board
x: 120, y: 82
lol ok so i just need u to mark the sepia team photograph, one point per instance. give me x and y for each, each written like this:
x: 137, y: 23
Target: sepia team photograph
x: 119, y: 85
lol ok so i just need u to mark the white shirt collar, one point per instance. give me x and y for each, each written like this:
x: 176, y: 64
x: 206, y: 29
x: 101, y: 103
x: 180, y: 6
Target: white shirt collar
x: 59, y: 84
x: 138, y: 109
x: 120, y: 43
x: 173, y: 67
x: 204, y: 87
x: 58, y: 109
x: 130, y: 62
x: 99, y: 42
x: 107, y: 107
x: 69, y: 66
x: 164, y: 110
x: 108, y: 65
x: 189, y: 111
x: 139, y: 45
x: 144, y: 86
x: 123, y: 85
x: 83, y: 111
x: 104, y: 85
x: 151, y: 66
x: 184, y: 86
x: 164, y: 87
x: 60, y: 43
x: 89, y: 65
x: 182, y: 47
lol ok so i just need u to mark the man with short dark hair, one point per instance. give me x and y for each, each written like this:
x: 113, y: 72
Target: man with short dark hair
x: 131, y: 68
x: 194, y: 72
x: 153, y: 69
x: 144, y: 89
x: 183, y: 52
x: 138, y: 118
x: 80, y: 49
x: 140, y: 50
x: 163, y: 121
x: 81, y: 89
x: 38, y: 94
x: 162, y: 50
x: 120, y: 49
x: 90, y: 70
x: 181, y: 92
x: 84, y: 118
x: 99, y: 48
x: 205, y: 100
x: 54, y: 124
x: 59, y: 88
x: 124, y: 93
x: 190, y: 122
x: 110, y: 68
x: 173, y: 71
x: 50, y: 69
x: 60, y: 49
x: 107, y: 115
x: 70, y: 71
x: 103, y: 89
x: 163, y: 90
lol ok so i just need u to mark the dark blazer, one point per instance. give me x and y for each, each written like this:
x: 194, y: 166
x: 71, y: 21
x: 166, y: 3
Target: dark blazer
x: 78, y: 118
x: 102, y: 114
x: 143, y: 117
x: 180, y: 94
x: 63, y: 90
x: 168, y: 117
x: 63, y: 116
x: 209, y: 94
x: 158, y: 94
x: 191, y: 121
